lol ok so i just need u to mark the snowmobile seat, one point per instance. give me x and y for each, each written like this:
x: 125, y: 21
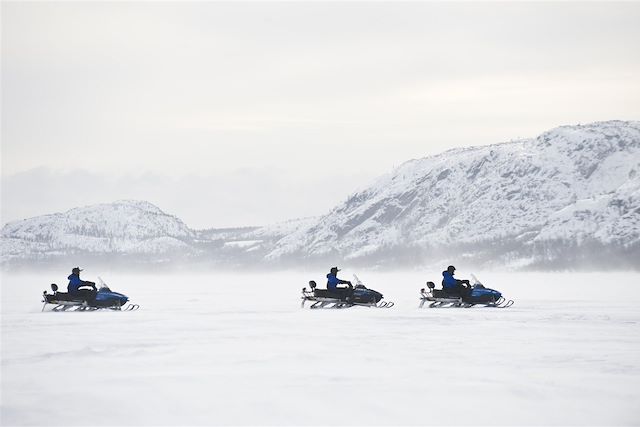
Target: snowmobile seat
x: 58, y: 296
x: 441, y: 293
x: 325, y: 293
x: 62, y: 296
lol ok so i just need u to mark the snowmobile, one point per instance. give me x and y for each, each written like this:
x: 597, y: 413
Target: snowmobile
x: 479, y: 296
x: 104, y: 298
x: 343, y: 298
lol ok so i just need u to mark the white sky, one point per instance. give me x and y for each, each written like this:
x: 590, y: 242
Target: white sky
x: 230, y: 114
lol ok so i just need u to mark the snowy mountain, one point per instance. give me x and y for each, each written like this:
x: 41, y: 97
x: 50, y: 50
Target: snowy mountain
x: 123, y: 227
x: 571, y: 195
x: 569, y: 198
x: 134, y: 232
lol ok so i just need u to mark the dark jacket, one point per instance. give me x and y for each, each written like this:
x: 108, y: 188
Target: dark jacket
x: 333, y: 282
x: 75, y: 282
x: 450, y: 282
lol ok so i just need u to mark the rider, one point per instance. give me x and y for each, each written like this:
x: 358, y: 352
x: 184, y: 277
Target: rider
x: 454, y: 286
x: 75, y: 285
x: 333, y: 282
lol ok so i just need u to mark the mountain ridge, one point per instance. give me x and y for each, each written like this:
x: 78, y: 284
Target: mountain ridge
x: 555, y: 201
x: 481, y: 195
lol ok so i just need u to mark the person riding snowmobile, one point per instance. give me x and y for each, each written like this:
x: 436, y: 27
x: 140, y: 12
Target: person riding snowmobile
x: 75, y: 285
x: 333, y: 282
x: 453, y: 286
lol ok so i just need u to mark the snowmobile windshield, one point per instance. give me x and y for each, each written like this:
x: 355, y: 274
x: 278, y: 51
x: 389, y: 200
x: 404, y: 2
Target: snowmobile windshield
x: 103, y: 286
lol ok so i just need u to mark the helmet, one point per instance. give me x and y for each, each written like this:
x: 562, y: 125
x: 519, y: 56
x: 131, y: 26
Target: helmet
x: 334, y: 269
x: 76, y: 270
x: 451, y: 268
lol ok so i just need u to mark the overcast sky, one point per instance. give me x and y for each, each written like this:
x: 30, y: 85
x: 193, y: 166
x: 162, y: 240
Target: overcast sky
x: 230, y: 114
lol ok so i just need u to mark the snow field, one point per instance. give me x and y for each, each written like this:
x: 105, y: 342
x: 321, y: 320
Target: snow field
x: 230, y: 349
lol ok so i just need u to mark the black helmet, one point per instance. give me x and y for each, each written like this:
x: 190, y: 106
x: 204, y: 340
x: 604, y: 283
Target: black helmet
x: 76, y: 270
x: 451, y: 269
x: 334, y: 269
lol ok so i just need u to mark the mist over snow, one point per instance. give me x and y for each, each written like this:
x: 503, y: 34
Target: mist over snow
x: 567, y: 199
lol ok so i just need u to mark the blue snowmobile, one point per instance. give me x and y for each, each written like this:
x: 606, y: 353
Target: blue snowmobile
x: 104, y: 298
x: 478, y: 295
x: 359, y: 295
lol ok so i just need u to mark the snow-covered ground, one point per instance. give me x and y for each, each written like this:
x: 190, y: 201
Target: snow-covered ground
x: 237, y: 349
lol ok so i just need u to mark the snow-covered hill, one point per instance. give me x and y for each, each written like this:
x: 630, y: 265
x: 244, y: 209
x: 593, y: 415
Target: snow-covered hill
x: 122, y: 227
x: 135, y: 232
x: 569, y: 198
x: 552, y: 200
